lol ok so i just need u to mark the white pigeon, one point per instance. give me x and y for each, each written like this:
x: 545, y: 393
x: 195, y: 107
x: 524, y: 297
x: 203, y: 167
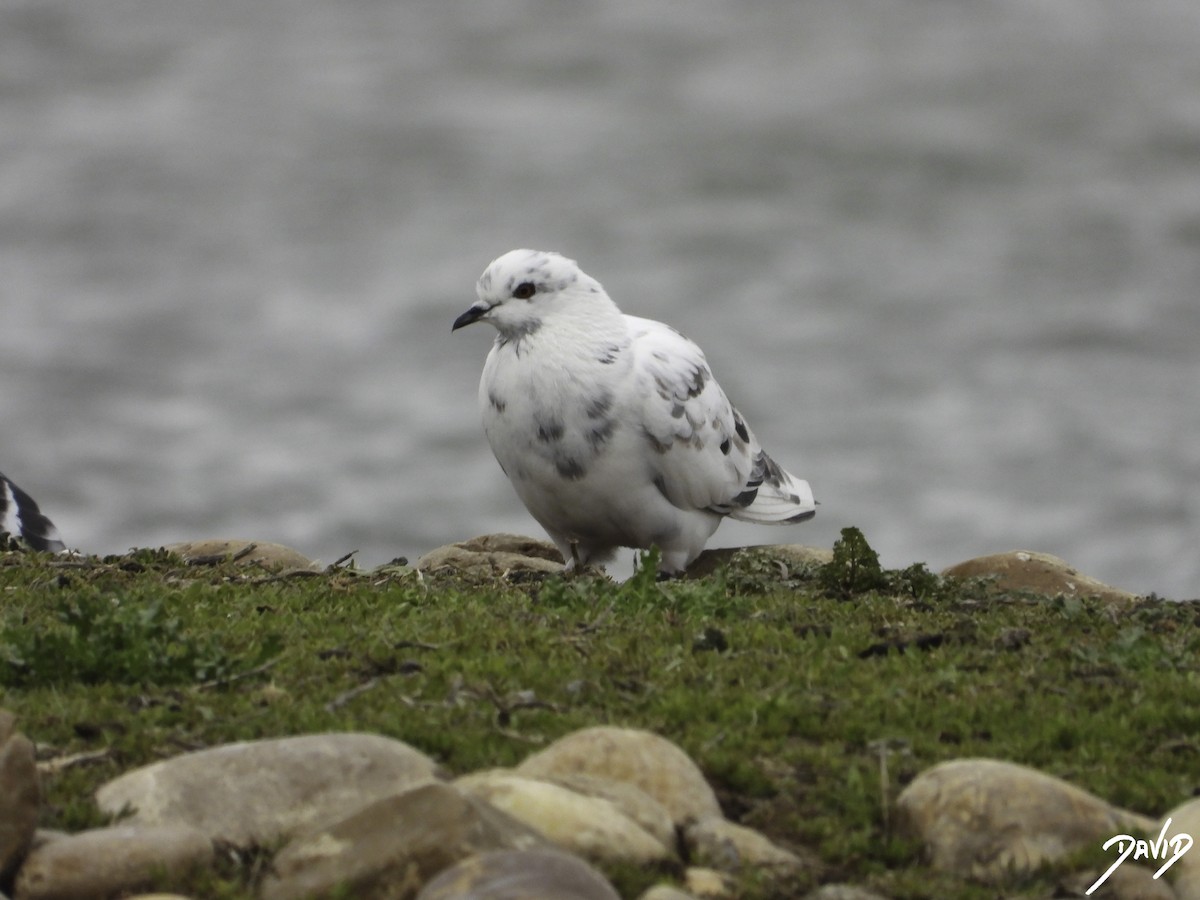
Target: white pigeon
x: 611, y: 427
x: 21, y: 519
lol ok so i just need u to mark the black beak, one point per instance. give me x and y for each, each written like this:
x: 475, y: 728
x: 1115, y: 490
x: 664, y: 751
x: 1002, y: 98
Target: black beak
x: 474, y: 314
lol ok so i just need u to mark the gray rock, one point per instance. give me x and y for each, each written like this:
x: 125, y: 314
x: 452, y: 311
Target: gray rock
x: 20, y: 794
x: 494, y: 554
x: 1185, y: 873
x: 1128, y: 882
x: 790, y: 556
x: 1038, y: 573
x: 388, y: 850
x: 520, y: 875
x: 721, y: 844
x: 988, y: 819
x: 8, y: 725
x: 253, y: 793
x: 704, y: 883
x: 105, y: 862
x: 246, y: 553
x: 642, y: 758
x: 842, y: 892
x: 46, y: 835
x: 665, y: 892
x: 593, y: 827
x: 630, y: 799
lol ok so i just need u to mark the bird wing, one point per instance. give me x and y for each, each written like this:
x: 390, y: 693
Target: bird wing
x: 703, y: 454
x: 21, y: 518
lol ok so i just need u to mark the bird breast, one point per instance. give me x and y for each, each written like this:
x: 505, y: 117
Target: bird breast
x: 552, y: 415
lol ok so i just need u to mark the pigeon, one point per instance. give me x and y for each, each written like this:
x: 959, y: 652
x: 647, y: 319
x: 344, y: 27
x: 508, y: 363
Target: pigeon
x: 20, y: 519
x: 611, y: 427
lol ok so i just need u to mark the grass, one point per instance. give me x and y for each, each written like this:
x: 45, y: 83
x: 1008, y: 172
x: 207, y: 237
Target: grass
x: 808, y: 698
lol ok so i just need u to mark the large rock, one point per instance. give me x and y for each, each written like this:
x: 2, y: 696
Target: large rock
x: 105, y: 862
x: 263, y: 554
x: 642, y: 758
x: 842, y: 892
x: 788, y: 556
x: 665, y: 892
x: 494, y: 554
x: 708, y: 884
x: 987, y: 819
x: 388, y: 850
x: 520, y: 875
x: 1185, y: 873
x: 629, y: 799
x: 724, y: 845
x: 254, y: 792
x: 592, y: 827
x: 1038, y: 573
x: 20, y: 794
x: 1130, y: 881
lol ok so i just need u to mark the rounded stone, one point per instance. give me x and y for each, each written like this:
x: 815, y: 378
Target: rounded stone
x: 1037, y: 573
x: 1129, y: 881
x: 392, y: 847
x: 1185, y: 873
x: 105, y: 862
x: 8, y: 725
x: 252, y: 793
x: 246, y: 553
x: 842, y: 892
x: 629, y: 799
x: 730, y: 847
x: 20, y: 797
x: 791, y: 556
x: 494, y: 554
x: 593, y: 827
x: 644, y: 759
x: 520, y: 875
x: 988, y: 819
x: 707, y: 884
x: 665, y: 892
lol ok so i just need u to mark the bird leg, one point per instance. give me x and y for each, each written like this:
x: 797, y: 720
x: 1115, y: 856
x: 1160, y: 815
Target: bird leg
x: 574, y: 567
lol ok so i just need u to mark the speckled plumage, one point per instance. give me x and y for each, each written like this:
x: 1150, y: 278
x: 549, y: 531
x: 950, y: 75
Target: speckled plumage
x: 611, y: 427
x: 21, y: 519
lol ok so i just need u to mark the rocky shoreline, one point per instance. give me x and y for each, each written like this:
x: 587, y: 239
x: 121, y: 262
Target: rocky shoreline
x: 379, y: 817
x: 499, y: 555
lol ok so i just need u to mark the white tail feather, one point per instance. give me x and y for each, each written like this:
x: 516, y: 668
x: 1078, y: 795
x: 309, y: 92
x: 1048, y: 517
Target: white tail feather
x: 785, y: 503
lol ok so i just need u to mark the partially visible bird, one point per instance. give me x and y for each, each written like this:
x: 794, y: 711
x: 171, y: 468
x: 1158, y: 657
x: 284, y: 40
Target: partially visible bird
x: 21, y: 519
x: 611, y: 427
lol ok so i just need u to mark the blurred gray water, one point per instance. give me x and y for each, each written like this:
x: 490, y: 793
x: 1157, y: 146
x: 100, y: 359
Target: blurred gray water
x: 945, y: 257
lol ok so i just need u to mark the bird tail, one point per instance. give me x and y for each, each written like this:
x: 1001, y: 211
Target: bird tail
x: 773, y: 496
x: 21, y: 519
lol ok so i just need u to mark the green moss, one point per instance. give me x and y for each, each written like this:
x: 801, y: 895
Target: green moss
x: 854, y: 568
x: 809, y: 700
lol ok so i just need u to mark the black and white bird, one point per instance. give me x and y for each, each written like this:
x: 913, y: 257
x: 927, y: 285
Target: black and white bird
x: 21, y: 520
x: 609, y: 426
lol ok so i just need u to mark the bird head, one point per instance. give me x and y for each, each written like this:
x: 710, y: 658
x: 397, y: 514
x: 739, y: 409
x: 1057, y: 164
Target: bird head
x: 518, y: 290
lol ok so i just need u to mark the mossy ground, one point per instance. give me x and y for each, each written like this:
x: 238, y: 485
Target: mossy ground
x: 808, y: 698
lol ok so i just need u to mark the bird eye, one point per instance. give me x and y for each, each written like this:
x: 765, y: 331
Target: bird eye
x: 525, y: 290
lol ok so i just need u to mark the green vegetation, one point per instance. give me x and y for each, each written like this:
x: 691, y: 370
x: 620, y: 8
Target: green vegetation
x: 808, y: 697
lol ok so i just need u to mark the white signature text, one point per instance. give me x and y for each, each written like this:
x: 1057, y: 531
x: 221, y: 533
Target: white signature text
x: 1166, y: 848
